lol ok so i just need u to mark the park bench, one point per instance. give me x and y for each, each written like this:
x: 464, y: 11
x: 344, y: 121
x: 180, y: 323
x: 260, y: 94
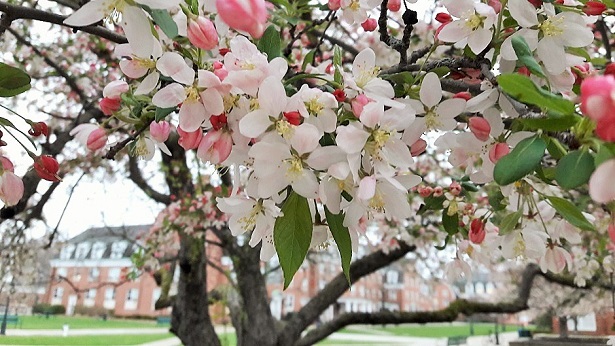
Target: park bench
x: 524, y: 333
x: 163, y: 320
x: 13, y: 319
x: 457, y: 340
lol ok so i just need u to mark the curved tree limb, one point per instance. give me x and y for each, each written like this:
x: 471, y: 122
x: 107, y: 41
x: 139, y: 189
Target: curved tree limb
x: 459, y: 306
x: 298, y: 322
x: 134, y: 173
x: 20, y: 12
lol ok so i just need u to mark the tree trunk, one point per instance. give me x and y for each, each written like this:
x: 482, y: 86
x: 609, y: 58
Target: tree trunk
x: 257, y: 325
x: 190, y: 319
x: 563, y: 327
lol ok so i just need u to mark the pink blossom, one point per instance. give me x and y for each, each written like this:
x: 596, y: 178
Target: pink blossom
x: 477, y: 231
x: 97, y: 139
x: 160, y: 131
x: 189, y: 140
x: 601, y: 187
x: 202, y: 33
x: 370, y: 24
x: 394, y: 5
x: 358, y: 103
x: 498, y: 151
x: 594, y: 8
x: 244, y: 15
x: 6, y: 163
x: 596, y: 99
x: 418, y: 147
x: 480, y: 128
x: 115, y: 89
x: 47, y: 168
x: 215, y: 146
x: 334, y: 5
x: 108, y: 105
x: 11, y: 188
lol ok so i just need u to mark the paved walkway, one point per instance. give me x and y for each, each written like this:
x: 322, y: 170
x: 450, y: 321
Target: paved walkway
x: 339, y: 338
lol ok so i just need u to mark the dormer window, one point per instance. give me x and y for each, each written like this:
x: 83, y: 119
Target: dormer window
x: 98, y: 250
x: 82, y: 250
x: 67, y: 251
x: 118, y: 249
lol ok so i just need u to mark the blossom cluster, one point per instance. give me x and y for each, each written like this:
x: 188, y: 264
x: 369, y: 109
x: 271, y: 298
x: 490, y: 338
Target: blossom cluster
x: 345, y: 136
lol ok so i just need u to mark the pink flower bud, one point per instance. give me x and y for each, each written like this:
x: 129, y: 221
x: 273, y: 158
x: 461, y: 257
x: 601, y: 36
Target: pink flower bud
x: 455, y: 188
x: 108, y: 105
x: 114, y: 89
x: 97, y: 139
x: 418, y: 147
x: 334, y: 5
x: 480, y: 128
x: 496, y: 5
x: 394, y: 5
x: 7, y: 164
x: 11, y: 188
x: 358, y: 103
x: 536, y: 3
x: 218, y: 121
x: 189, y: 140
x: 202, y: 33
x: 444, y: 18
x: 244, y: 15
x: 438, y: 191
x: 293, y: 118
x: 464, y: 95
x: 425, y: 191
x: 594, y: 8
x: 47, y: 168
x: 477, y: 231
x: 220, y: 71
x: 39, y: 128
x: 524, y: 71
x: 215, y: 146
x: 370, y: 24
x: 160, y: 131
x: 498, y: 151
x: 609, y: 69
x: 340, y: 95
x: 596, y: 99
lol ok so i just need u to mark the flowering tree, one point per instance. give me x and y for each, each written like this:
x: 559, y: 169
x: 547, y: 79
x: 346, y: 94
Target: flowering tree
x: 316, y: 115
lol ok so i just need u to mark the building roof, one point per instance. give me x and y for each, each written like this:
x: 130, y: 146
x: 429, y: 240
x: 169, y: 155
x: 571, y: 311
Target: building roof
x: 103, y: 243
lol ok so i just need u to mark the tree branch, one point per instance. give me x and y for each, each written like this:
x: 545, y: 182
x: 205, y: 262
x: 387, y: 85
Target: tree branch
x: 134, y: 173
x: 336, y: 287
x: 449, y: 314
x: 21, y: 12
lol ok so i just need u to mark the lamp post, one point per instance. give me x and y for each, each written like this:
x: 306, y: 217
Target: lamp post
x: 6, y: 312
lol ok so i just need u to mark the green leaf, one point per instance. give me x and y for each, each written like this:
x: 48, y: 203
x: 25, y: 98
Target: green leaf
x: 604, y: 154
x: 13, y: 81
x: 495, y: 200
x: 292, y: 235
x: 509, y: 222
x: 308, y: 59
x: 161, y: 113
x: 341, y: 235
x: 524, y: 90
x: 446, y: 240
x: 556, y: 148
x: 270, y: 43
x: 554, y: 122
x: 337, y: 62
x: 166, y: 23
x: 571, y: 213
x: 574, y: 169
x: 525, y: 55
x: 450, y: 222
x: 521, y: 161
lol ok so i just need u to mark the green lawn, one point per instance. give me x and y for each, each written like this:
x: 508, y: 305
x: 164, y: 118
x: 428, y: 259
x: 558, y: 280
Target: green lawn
x: 432, y: 331
x: 108, y: 340
x: 56, y: 322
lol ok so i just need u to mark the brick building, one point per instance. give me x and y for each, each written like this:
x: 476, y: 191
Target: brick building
x: 90, y: 272
x: 397, y: 287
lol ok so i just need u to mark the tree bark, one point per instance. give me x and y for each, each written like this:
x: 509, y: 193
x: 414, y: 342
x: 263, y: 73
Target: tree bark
x: 257, y: 325
x: 190, y: 318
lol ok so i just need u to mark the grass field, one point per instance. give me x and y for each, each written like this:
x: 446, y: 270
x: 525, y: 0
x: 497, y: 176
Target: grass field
x: 432, y: 331
x: 56, y: 322
x: 107, y: 340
